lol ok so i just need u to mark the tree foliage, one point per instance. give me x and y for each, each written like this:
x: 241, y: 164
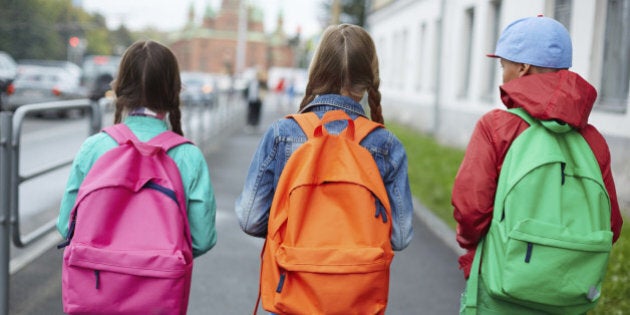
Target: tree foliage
x: 40, y: 29
x: 352, y: 12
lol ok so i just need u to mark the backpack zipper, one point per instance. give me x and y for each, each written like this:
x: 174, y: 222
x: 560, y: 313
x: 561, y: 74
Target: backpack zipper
x: 168, y: 192
x: 281, y: 282
x: 69, y: 234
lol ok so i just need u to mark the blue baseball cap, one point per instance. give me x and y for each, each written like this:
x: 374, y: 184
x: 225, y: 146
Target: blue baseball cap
x: 537, y: 41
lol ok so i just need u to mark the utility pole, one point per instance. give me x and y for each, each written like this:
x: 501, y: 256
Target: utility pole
x: 241, y: 43
x: 335, y: 12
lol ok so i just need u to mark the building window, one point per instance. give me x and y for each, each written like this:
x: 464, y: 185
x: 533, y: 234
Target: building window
x: 616, y: 62
x: 420, y: 62
x: 492, y: 36
x: 562, y: 12
x: 403, y: 60
x: 394, y: 75
x: 436, y: 55
x: 383, y: 61
x: 467, y: 42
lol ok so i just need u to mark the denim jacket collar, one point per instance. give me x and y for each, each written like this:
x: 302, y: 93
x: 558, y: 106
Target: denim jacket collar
x: 334, y: 101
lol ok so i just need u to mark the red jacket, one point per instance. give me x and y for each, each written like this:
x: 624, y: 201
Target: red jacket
x: 562, y: 95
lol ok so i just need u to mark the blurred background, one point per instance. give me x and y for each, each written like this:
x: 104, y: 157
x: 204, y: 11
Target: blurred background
x: 215, y: 41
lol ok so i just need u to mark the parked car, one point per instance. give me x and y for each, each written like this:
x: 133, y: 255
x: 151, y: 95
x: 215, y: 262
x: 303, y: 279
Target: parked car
x: 98, y: 73
x: 8, y: 71
x: 67, y: 65
x: 38, y: 84
x: 198, y: 88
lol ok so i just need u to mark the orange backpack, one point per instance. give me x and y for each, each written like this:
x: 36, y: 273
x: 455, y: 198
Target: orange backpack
x: 328, y: 247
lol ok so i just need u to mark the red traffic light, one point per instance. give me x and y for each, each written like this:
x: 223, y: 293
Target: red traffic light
x: 74, y: 41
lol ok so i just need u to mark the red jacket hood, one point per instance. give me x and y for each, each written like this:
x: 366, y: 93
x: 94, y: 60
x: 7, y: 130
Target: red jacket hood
x: 562, y: 95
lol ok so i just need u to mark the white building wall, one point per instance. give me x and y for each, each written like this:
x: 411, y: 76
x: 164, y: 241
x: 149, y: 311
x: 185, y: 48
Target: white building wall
x: 410, y: 79
x: 403, y: 97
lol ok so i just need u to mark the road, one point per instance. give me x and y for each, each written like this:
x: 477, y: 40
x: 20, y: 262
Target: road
x: 424, y: 277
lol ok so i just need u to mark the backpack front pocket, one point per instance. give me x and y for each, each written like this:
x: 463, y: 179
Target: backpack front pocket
x: 548, y: 264
x: 340, y: 280
x: 118, y: 280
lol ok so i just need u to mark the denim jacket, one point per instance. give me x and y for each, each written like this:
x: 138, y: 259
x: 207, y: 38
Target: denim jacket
x: 284, y: 136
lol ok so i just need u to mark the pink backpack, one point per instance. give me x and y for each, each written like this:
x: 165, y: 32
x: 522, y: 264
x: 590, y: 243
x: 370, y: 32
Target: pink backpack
x: 128, y: 249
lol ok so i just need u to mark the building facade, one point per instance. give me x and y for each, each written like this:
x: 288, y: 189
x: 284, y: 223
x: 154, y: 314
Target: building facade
x: 435, y: 75
x: 211, y: 46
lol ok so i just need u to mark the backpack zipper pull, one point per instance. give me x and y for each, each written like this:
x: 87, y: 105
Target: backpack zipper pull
x: 380, y: 210
x: 528, y: 254
x: 281, y: 282
x: 97, y: 274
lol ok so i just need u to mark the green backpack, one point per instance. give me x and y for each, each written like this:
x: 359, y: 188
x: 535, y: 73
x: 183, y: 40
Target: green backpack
x: 548, y: 245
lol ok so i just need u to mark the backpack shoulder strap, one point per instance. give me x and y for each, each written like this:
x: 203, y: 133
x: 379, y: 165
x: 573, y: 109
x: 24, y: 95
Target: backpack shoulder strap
x: 472, y: 284
x: 307, y: 121
x: 520, y: 112
x: 168, y: 140
x: 363, y: 126
x: 121, y: 133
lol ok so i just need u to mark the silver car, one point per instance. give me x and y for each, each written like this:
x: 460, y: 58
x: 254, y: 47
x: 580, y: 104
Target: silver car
x: 38, y: 84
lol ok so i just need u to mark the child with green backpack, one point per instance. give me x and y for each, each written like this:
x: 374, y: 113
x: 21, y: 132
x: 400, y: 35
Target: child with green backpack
x: 534, y: 197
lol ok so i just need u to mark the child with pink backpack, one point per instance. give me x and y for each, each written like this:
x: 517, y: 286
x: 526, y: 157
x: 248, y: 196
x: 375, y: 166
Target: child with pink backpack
x: 139, y: 204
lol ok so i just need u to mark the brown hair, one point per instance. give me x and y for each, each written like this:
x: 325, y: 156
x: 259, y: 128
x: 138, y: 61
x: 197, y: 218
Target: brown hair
x: 148, y: 76
x: 345, y: 63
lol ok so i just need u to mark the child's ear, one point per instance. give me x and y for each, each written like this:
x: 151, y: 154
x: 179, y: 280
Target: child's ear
x: 524, y: 69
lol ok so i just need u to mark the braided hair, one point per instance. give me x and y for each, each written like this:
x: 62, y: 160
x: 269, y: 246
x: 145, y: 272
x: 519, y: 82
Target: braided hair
x: 148, y: 76
x: 345, y: 63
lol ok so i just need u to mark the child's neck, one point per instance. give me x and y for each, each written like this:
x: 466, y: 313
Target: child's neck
x: 143, y: 111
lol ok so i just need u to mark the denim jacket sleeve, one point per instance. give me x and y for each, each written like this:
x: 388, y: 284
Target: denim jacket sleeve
x: 253, y: 205
x: 396, y: 180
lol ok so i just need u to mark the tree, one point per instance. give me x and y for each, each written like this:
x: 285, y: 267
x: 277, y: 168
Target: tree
x: 40, y: 29
x: 352, y: 12
x: 121, y: 39
x: 26, y: 33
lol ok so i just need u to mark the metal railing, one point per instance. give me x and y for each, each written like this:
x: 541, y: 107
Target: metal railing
x: 202, y: 124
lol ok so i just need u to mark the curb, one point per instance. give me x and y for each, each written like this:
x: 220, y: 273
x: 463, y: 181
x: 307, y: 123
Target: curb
x: 437, y: 226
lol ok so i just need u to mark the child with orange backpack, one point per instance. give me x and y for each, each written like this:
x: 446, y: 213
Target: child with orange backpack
x: 329, y: 190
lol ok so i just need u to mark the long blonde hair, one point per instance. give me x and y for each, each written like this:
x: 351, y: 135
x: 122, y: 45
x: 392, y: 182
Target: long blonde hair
x: 148, y: 76
x: 345, y: 63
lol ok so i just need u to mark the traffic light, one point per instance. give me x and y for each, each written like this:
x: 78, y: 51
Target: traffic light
x: 76, y: 49
x: 74, y: 41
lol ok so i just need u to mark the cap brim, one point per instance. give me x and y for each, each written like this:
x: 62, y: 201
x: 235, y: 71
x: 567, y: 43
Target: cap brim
x: 492, y: 56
